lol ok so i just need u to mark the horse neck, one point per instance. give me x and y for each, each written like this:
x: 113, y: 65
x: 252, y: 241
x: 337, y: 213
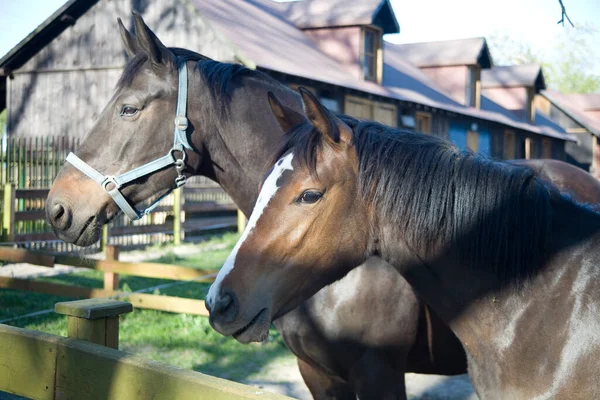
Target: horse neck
x: 494, y: 322
x: 236, y: 146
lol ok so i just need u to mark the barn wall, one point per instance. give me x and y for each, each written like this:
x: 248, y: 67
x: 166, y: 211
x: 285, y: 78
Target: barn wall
x: 64, y: 87
x: 458, y: 135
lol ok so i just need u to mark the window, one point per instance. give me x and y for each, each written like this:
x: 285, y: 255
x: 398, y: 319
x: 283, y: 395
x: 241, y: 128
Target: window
x: 509, y: 145
x: 370, y: 64
x: 423, y: 122
x: 473, y: 141
x: 546, y: 148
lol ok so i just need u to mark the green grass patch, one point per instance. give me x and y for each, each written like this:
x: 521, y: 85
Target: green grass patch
x: 183, y: 340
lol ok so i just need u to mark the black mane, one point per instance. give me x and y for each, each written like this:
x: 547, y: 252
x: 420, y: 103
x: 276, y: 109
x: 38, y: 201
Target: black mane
x: 493, y: 213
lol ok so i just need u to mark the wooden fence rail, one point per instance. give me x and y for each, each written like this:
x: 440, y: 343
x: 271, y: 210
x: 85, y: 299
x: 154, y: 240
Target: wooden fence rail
x: 110, y: 269
x: 42, y: 366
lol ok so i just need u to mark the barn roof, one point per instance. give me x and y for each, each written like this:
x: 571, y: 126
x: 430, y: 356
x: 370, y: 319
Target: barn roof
x: 307, y: 14
x: 268, y: 40
x: 472, y: 51
x: 574, y: 106
x: 529, y: 75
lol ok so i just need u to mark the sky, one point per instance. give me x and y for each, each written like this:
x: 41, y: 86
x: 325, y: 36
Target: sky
x: 533, y: 21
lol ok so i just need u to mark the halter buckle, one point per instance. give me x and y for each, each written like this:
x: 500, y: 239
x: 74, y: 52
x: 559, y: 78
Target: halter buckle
x: 181, y: 123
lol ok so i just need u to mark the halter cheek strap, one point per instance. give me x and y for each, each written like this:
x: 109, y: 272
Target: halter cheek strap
x: 112, y: 184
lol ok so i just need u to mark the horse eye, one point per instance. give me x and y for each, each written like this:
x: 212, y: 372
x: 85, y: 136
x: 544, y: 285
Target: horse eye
x: 310, y: 197
x: 129, y: 111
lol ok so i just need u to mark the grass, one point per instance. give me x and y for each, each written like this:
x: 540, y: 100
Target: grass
x: 183, y: 340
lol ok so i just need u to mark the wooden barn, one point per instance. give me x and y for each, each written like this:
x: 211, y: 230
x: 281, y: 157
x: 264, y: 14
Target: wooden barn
x: 56, y: 81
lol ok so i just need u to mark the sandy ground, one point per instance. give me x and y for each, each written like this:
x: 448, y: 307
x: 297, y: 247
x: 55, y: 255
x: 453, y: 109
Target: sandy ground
x: 284, y: 378
x: 281, y: 376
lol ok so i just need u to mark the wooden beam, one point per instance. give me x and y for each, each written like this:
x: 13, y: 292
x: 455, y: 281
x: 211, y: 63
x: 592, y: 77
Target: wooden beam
x: 139, y: 300
x: 528, y: 148
x: 42, y: 366
x: 8, y: 213
x: 241, y: 221
x: 168, y: 303
x: 147, y: 270
x: 111, y: 279
x: 177, y: 217
x: 23, y: 256
x: 55, y: 289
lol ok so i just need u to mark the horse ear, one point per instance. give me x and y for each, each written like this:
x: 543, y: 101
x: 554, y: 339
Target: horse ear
x: 157, y: 52
x: 324, y: 120
x: 286, y: 117
x: 130, y: 43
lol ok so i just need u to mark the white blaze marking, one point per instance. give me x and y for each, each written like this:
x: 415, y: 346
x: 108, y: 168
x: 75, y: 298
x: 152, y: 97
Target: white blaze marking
x: 266, y: 194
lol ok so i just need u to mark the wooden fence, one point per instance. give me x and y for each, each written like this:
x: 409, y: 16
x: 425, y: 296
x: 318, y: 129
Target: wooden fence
x: 28, y: 167
x: 42, y: 366
x: 111, y: 268
x: 33, y: 162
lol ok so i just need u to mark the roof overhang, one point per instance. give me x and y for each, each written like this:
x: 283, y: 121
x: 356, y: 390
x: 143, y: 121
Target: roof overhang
x: 64, y: 17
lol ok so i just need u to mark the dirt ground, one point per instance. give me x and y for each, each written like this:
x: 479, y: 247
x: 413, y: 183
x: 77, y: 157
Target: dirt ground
x: 283, y: 377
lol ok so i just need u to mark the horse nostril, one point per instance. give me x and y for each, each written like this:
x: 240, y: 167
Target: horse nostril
x: 225, y: 308
x: 59, y: 216
x: 59, y: 211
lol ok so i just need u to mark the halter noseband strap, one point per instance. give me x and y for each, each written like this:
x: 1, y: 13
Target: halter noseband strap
x: 112, y: 184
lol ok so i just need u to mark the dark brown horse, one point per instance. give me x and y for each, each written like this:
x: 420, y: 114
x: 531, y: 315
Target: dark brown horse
x: 343, y: 348
x: 509, y: 263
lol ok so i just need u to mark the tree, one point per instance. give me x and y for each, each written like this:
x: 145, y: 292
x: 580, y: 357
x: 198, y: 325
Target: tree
x: 568, y: 67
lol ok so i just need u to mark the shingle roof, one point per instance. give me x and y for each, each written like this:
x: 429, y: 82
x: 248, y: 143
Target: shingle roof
x: 574, y: 105
x: 448, y: 52
x: 582, y: 101
x: 514, y: 75
x: 332, y: 13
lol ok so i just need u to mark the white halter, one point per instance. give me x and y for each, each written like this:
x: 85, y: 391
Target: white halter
x: 180, y: 144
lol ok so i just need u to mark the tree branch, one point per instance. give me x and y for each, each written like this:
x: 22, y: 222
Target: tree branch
x: 564, y: 15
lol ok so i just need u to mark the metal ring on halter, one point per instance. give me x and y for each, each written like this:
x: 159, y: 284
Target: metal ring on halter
x: 110, y: 179
x: 181, y: 150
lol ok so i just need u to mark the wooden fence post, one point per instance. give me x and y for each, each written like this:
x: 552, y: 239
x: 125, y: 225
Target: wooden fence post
x: 94, y: 320
x: 241, y: 221
x: 177, y: 216
x: 104, y: 238
x: 111, y: 279
x: 8, y: 213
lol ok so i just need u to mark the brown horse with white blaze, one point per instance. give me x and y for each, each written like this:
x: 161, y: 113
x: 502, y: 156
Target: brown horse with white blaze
x: 510, y: 264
